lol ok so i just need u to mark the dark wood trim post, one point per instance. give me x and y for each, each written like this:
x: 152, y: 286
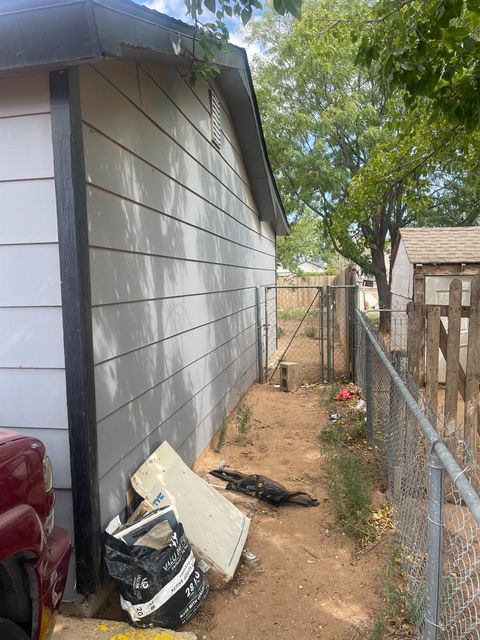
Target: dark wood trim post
x: 77, y: 323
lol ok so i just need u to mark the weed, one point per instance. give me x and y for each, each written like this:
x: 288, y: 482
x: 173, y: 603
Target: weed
x: 348, y: 484
x: 350, y: 492
x: 243, y: 418
x: 333, y: 389
x: 393, y: 595
x: 280, y: 332
x: 310, y: 332
x: 222, y: 432
x: 292, y: 313
x: 373, y: 317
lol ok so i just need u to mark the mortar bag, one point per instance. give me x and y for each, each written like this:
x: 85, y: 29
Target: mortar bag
x: 158, y: 587
x: 263, y: 488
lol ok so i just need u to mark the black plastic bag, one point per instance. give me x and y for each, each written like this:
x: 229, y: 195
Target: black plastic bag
x: 158, y: 587
x: 263, y: 488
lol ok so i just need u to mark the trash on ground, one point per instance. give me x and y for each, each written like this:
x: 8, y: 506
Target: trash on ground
x: 153, y: 566
x: 263, y: 488
x: 334, y: 416
x: 361, y: 406
x: 251, y: 558
x: 241, y: 500
x: 216, y: 529
x: 344, y: 394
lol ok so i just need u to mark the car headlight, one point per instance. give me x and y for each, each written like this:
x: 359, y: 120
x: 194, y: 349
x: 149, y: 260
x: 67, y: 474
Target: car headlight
x: 47, y: 474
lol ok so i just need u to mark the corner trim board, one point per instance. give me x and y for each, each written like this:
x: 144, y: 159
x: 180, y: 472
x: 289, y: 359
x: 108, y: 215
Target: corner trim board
x: 70, y: 191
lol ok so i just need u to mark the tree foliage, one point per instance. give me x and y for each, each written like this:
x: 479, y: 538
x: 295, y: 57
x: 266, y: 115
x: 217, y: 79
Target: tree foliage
x: 429, y: 49
x: 345, y: 152
x: 326, y: 119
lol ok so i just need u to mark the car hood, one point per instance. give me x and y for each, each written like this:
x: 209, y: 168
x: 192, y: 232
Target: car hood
x: 7, y: 435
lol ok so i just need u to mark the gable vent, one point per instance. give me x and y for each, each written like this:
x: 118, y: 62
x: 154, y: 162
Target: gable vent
x: 216, y: 119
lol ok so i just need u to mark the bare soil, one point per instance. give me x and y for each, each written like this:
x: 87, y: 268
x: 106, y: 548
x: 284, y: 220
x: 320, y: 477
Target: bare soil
x: 313, y: 582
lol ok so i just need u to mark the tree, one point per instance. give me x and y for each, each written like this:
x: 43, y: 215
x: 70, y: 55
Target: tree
x: 326, y: 119
x: 213, y: 33
x: 306, y: 242
x: 429, y: 49
x: 345, y: 152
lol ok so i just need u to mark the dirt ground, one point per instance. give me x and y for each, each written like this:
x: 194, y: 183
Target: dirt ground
x: 312, y: 583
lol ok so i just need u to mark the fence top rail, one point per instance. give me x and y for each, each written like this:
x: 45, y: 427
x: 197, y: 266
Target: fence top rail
x: 295, y: 286
x: 342, y: 286
x: 469, y: 495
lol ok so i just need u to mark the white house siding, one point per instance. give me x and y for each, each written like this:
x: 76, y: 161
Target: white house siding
x: 32, y: 376
x: 176, y: 250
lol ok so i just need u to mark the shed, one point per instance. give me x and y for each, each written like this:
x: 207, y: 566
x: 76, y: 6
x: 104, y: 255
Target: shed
x: 138, y: 217
x: 424, y: 262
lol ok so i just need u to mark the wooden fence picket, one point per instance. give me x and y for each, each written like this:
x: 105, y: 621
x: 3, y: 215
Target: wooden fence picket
x: 472, y: 372
x: 415, y: 338
x: 453, y: 349
x: 432, y: 345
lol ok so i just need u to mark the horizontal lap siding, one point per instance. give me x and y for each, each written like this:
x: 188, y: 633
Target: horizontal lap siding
x: 32, y: 376
x: 176, y: 251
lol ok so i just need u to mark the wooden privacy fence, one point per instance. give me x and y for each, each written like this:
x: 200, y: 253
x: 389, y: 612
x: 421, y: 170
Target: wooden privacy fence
x: 429, y: 336
x: 298, y: 298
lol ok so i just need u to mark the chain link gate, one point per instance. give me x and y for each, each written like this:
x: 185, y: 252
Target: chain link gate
x: 312, y: 326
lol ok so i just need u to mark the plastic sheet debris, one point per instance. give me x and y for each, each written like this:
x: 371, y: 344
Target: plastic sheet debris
x: 153, y: 566
x: 361, y: 406
x: 344, y: 394
x: 263, y: 488
x: 334, y: 416
x: 216, y: 529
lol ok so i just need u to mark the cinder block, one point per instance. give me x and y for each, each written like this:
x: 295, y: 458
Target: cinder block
x: 289, y: 376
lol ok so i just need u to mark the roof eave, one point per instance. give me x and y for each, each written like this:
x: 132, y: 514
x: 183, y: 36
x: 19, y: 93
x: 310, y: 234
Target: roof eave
x: 57, y: 32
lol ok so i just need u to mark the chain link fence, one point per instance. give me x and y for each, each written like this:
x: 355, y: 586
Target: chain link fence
x: 311, y: 326
x: 432, y: 491
x: 294, y: 330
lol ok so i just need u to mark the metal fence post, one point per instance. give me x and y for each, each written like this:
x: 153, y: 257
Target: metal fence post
x: 266, y: 334
x: 367, y: 381
x: 322, y: 337
x: 261, y: 375
x: 329, y: 336
x: 434, y: 555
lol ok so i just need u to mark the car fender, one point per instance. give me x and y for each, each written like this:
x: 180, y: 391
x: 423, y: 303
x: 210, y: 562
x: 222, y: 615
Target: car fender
x: 21, y: 532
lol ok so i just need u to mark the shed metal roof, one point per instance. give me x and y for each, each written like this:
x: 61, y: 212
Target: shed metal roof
x: 51, y: 33
x: 442, y: 245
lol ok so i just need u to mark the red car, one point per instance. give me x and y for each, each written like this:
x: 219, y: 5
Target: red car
x: 34, y: 554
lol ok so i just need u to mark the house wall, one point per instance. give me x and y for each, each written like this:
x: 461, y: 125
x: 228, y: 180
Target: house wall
x: 176, y: 250
x: 32, y: 376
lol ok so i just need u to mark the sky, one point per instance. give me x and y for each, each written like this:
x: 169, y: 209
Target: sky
x: 176, y: 9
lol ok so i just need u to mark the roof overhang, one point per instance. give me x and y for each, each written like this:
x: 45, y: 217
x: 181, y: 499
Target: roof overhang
x: 38, y: 33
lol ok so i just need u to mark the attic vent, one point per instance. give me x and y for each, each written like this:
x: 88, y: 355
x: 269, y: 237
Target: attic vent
x: 216, y: 120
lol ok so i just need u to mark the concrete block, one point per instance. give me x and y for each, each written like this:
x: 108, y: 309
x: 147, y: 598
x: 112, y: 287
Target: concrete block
x: 289, y: 376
